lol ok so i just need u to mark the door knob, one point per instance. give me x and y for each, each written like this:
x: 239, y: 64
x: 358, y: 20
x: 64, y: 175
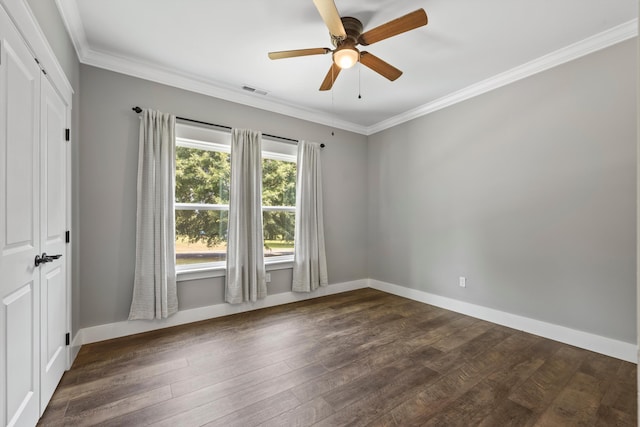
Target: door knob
x: 45, y: 258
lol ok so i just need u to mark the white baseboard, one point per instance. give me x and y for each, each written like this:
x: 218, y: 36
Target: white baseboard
x: 124, y: 328
x: 607, y: 346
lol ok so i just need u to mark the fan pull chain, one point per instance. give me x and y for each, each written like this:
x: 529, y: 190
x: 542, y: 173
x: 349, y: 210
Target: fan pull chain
x: 359, y: 80
x: 333, y: 105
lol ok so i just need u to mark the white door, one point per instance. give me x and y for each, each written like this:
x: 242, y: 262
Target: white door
x: 53, y: 295
x: 19, y: 229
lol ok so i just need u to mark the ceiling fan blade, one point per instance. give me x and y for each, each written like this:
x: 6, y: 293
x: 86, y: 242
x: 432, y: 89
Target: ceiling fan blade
x: 331, y: 17
x: 331, y: 77
x: 400, y: 25
x: 379, y: 66
x: 299, y: 52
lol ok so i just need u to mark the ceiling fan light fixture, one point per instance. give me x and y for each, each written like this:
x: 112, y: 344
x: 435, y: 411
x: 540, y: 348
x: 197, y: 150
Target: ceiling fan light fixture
x: 346, y: 33
x: 346, y: 57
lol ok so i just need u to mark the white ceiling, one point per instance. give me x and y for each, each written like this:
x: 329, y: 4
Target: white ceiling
x: 216, y: 47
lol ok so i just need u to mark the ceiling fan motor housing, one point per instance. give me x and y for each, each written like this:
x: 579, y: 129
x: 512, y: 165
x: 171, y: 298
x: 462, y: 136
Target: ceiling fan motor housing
x: 353, y: 27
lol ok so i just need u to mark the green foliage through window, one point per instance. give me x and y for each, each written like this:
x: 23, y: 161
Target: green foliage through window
x: 203, y: 178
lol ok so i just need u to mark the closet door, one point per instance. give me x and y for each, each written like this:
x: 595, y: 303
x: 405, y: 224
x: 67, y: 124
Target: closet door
x: 53, y: 295
x: 19, y: 229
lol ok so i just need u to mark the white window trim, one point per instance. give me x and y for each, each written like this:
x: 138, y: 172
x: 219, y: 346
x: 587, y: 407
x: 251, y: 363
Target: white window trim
x: 206, y: 271
x: 278, y: 208
x: 215, y: 140
x: 203, y: 145
x: 199, y: 207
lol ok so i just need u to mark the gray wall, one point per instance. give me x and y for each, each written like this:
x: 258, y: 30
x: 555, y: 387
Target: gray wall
x: 107, y: 179
x: 204, y: 292
x: 528, y: 191
x: 54, y: 30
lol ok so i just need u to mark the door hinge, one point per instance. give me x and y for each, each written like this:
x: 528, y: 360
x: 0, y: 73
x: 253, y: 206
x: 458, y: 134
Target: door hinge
x: 41, y: 67
x: 67, y: 134
x: 67, y: 338
x: 67, y: 237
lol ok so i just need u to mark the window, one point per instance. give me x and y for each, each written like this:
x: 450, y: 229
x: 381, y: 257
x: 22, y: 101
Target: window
x: 202, y: 197
x: 278, y: 204
x: 202, y: 202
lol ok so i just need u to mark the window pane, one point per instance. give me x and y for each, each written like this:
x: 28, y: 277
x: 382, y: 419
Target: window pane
x: 201, y: 236
x: 202, y: 176
x: 279, y: 228
x: 278, y: 183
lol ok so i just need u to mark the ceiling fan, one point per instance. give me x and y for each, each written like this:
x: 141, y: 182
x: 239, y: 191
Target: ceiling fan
x: 346, y: 33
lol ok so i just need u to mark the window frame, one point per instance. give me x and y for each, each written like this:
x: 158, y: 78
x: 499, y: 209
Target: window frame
x: 209, y: 139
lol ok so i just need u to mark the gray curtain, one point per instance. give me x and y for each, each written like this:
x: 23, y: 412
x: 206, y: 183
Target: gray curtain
x: 245, y: 258
x: 309, y: 258
x: 154, y: 289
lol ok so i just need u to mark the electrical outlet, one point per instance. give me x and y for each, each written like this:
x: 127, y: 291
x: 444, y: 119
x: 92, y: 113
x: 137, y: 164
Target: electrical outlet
x: 462, y: 282
x: 268, y: 277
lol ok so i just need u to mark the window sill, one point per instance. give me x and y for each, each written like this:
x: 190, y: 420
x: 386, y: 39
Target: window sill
x: 201, y: 273
x: 282, y: 263
x: 207, y: 272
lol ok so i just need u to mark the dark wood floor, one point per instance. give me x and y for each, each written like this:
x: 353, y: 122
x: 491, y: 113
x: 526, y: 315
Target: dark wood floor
x: 358, y: 358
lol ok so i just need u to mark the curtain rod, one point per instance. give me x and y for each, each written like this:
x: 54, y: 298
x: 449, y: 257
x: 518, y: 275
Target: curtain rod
x: 284, y: 139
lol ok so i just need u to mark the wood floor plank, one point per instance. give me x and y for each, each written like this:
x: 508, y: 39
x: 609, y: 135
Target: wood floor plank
x: 345, y: 348
x: 549, y: 380
x: 208, y: 403
x: 331, y: 380
x: 507, y: 414
x: 101, y: 413
x: 54, y: 415
x: 384, y: 421
x: 621, y: 396
x: 368, y: 344
x: 132, y: 376
x: 602, y: 367
x: 303, y: 415
x: 608, y: 417
x: 369, y: 361
x: 267, y: 355
x: 480, y: 402
x: 465, y: 335
x: 211, y: 379
x: 432, y: 398
x: 358, y: 358
x: 362, y: 402
x: 230, y: 403
x: 467, y: 351
x: 259, y: 412
x: 472, y: 407
x: 627, y: 371
x: 577, y: 403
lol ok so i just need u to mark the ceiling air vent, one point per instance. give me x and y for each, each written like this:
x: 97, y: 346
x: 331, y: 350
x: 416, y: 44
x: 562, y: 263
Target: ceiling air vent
x: 254, y: 90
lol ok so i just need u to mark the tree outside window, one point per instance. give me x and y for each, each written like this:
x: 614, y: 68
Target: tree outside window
x: 202, y: 202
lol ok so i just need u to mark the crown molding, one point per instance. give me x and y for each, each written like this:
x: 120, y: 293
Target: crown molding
x: 136, y: 68
x: 584, y: 47
x: 73, y: 22
x: 215, y: 89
